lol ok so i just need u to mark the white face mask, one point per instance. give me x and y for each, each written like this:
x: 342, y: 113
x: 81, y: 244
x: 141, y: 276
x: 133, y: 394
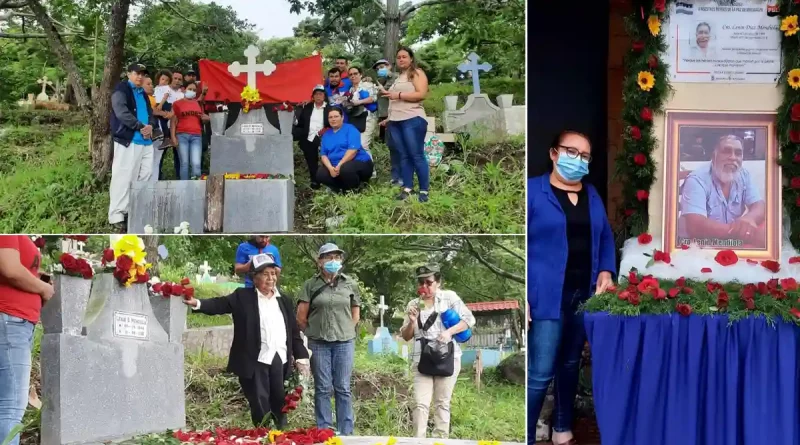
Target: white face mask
x: 190, y: 94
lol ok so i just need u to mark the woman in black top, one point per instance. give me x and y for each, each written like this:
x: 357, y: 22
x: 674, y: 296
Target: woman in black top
x: 310, y: 120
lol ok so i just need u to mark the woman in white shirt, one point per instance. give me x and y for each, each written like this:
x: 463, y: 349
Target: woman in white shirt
x: 310, y: 120
x: 432, y: 302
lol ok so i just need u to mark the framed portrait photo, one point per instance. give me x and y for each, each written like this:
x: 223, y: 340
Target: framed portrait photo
x: 722, y: 185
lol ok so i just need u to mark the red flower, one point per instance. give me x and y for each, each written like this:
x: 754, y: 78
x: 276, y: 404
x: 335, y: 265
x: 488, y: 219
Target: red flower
x: 642, y: 195
x: 661, y: 256
x: 762, y: 288
x: 85, y: 269
x: 794, y: 260
x: 629, y: 212
x: 778, y: 294
x: 166, y: 289
x: 652, y: 62
x: 177, y: 290
x: 188, y: 293
x: 680, y: 282
x: 651, y: 286
x: 794, y: 311
x: 673, y: 293
x: 749, y: 291
x: 722, y: 299
x: 772, y: 284
x: 795, y: 112
x: 727, y: 257
x: 797, y: 203
x: 636, y: 133
x: 157, y: 287
x: 750, y: 304
x: 684, y: 309
x: 646, y: 114
x: 124, y: 262
x: 705, y: 270
x: 69, y: 262
x: 298, y: 390
x: 794, y: 136
x: 144, y: 278
x: 640, y: 159
x: 637, y: 46
x: 634, y: 299
x: 789, y: 284
x: 659, y: 5
x: 796, y: 159
x: 108, y: 256
x: 772, y: 266
x: 185, y: 281
x: 645, y: 238
x: 713, y: 287
x: 633, y: 278
x: 40, y: 242
x: 795, y: 183
x: 122, y: 275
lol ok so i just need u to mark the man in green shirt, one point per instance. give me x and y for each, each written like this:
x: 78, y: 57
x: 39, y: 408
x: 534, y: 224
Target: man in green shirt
x: 328, y: 311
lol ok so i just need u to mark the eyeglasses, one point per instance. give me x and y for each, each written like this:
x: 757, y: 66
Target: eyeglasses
x: 573, y: 153
x: 423, y: 281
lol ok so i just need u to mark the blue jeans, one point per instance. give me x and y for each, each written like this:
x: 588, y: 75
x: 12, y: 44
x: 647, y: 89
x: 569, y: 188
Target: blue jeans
x: 554, y: 351
x: 16, y: 342
x: 190, y: 149
x: 408, y: 138
x: 394, y: 158
x: 332, y: 367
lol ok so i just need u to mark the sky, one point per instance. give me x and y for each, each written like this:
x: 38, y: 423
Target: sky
x: 270, y: 17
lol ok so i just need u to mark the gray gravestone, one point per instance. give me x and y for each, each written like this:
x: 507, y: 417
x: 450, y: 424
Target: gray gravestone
x: 252, y: 154
x: 258, y: 206
x: 123, y: 378
x: 218, y: 121
x: 166, y: 204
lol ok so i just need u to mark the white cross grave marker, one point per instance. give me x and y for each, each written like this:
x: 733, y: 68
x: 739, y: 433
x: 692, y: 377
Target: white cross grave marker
x: 473, y: 67
x: 43, y: 95
x: 80, y: 245
x: 252, y: 67
x: 382, y: 307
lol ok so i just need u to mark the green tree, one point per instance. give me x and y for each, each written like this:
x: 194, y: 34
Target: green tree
x: 287, y: 48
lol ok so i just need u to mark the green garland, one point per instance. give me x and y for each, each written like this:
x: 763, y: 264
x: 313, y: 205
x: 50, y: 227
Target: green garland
x: 635, y: 165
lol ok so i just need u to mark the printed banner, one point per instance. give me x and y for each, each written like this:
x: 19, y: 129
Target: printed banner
x: 724, y: 41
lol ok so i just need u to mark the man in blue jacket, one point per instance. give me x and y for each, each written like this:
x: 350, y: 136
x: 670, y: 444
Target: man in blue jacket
x: 132, y: 125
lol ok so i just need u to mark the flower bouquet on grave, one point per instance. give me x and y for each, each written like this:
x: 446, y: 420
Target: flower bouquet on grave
x: 126, y: 261
x: 74, y: 267
x: 250, y: 98
x: 283, y: 107
x: 294, y: 392
x: 167, y: 289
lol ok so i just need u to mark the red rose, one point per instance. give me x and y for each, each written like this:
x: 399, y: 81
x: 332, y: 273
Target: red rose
x: 680, y: 282
x: 177, y: 290
x: 640, y: 159
x: 298, y: 390
x: 772, y: 266
x: 69, y: 262
x: 636, y: 133
x: 705, y: 270
x: 778, y: 294
x: 144, y: 278
x: 642, y: 195
x: 794, y: 136
x: 646, y: 114
x: 794, y: 311
x: 662, y: 256
x: 673, y: 293
x: 629, y: 212
x: 166, y: 289
x: 40, y: 242
x: 762, y: 287
x: 634, y: 299
x: 185, y: 281
x: 722, y: 299
x: 795, y: 183
x: 652, y: 62
x: 749, y: 291
x: 85, y: 268
x: 122, y: 275
x: 108, y: 256
x: 645, y: 238
x: 684, y: 309
x: 188, y: 292
x: 750, y: 304
x: 659, y: 5
x: 789, y: 284
x: 772, y: 284
x: 726, y: 257
x: 795, y: 112
x: 157, y: 288
x: 796, y: 159
x: 124, y: 262
x: 794, y: 260
x: 633, y: 278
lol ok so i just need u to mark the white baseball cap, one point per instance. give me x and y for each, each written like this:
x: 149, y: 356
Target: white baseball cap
x: 261, y: 262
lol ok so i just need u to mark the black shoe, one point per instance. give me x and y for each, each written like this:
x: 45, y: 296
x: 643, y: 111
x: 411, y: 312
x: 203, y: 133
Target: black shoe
x: 403, y: 195
x: 315, y: 185
x: 281, y: 423
x: 120, y: 227
x: 423, y: 197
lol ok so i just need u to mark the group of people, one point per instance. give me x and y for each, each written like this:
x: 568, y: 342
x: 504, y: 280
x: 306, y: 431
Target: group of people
x: 334, y: 129
x: 338, y: 125
x: 269, y: 334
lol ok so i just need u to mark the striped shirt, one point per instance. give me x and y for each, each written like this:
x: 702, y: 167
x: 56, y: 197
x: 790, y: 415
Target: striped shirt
x: 443, y: 300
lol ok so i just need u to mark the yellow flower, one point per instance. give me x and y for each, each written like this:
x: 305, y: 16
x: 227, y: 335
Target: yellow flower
x: 789, y: 25
x: 335, y: 440
x: 654, y: 25
x: 233, y: 175
x: 274, y: 434
x: 646, y: 80
x: 130, y: 245
x: 391, y: 441
x: 249, y: 95
x: 488, y: 442
x: 794, y: 78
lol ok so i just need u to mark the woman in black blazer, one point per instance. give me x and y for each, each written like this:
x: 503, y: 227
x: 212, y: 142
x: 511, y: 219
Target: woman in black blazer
x: 310, y: 120
x: 266, y: 340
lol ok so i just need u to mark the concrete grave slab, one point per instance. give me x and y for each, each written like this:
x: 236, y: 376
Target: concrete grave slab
x: 258, y: 206
x: 164, y: 205
x: 271, y: 154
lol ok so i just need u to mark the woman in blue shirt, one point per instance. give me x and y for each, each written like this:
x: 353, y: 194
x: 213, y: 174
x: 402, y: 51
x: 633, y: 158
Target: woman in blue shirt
x: 345, y: 164
x: 571, y: 255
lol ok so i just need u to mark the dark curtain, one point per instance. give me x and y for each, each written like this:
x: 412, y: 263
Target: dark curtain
x: 567, y: 76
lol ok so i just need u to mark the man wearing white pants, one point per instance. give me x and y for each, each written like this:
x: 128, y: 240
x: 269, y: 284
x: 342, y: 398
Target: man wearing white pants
x: 132, y: 130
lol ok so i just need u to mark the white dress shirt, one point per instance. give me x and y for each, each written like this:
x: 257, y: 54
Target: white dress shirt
x: 317, y: 121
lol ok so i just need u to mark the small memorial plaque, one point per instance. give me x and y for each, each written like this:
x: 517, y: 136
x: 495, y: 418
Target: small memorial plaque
x: 252, y: 128
x: 130, y: 325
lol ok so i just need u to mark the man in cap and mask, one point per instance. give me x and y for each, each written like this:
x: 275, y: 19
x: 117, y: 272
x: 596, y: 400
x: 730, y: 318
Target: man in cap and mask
x: 266, y: 340
x: 328, y: 311
x: 257, y: 244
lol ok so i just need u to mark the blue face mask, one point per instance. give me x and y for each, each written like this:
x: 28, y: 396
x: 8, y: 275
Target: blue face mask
x: 383, y: 72
x: 571, y: 169
x: 190, y: 94
x: 332, y: 266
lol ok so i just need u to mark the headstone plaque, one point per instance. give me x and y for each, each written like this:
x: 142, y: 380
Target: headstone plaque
x: 130, y: 325
x: 248, y: 129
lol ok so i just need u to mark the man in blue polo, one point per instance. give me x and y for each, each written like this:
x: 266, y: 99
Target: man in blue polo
x: 248, y: 249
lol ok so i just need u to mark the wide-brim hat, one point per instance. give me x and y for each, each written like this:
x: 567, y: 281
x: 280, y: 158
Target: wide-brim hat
x: 329, y: 248
x: 426, y: 271
x: 262, y: 261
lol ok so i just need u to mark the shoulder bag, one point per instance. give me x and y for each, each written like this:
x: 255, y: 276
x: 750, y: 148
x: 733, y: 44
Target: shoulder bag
x: 436, y: 359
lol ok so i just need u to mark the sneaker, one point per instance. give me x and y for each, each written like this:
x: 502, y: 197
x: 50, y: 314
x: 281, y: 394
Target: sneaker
x: 403, y: 195
x: 157, y: 135
x: 423, y: 196
x: 397, y: 182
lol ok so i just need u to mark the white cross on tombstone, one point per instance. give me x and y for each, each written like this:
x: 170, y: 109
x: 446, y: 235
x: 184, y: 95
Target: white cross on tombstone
x: 43, y: 95
x: 382, y: 307
x: 204, y: 269
x: 80, y: 245
x: 252, y: 67
x: 474, y: 68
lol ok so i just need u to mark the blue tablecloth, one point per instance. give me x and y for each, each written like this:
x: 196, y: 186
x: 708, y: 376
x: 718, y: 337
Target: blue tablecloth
x: 674, y: 380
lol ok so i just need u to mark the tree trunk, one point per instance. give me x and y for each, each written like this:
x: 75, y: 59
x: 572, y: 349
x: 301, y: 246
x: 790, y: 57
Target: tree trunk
x: 151, y: 249
x: 215, y: 197
x: 391, y: 39
x: 63, y: 53
x: 100, y: 143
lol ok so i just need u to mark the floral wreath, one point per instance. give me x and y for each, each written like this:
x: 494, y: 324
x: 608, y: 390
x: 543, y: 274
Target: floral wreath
x: 126, y: 260
x: 645, y: 90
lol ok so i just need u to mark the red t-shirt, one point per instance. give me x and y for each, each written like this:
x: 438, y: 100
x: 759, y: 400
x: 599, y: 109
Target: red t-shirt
x: 13, y: 301
x: 188, y: 113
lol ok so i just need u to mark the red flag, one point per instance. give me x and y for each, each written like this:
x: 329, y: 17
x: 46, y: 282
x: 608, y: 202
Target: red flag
x: 291, y: 81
